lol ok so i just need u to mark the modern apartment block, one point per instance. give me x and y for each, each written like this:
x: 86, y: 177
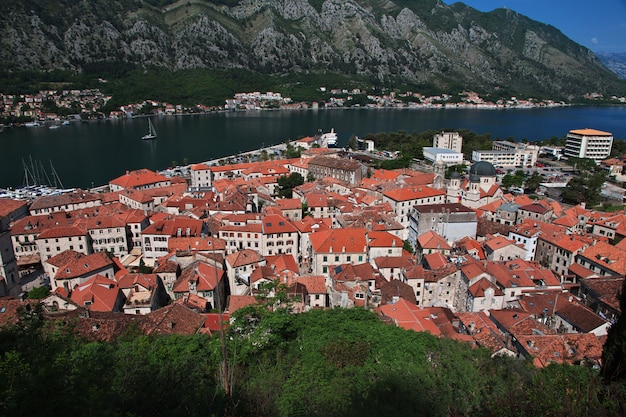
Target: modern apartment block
x: 588, y: 143
x: 448, y: 140
x: 508, y: 155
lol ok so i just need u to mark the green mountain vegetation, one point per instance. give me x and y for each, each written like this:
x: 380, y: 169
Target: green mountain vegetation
x: 203, y: 51
x: 341, y: 362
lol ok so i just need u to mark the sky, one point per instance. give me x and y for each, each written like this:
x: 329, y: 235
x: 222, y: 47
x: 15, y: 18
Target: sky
x: 599, y: 25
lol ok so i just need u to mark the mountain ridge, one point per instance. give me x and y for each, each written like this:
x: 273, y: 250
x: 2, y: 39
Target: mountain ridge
x: 422, y: 42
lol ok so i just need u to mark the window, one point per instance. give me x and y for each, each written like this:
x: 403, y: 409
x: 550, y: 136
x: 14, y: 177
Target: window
x: 325, y: 258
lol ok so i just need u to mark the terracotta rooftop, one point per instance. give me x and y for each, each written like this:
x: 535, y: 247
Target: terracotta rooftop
x: 8, y: 206
x: 350, y: 240
x: 173, y: 319
x: 581, y: 317
x: 98, y: 293
x: 409, y: 316
x: 397, y: 288
x: 72, y: 264
x: 235, y: 302
x: 244, y: 257
x: 590, y: 132
x: 138, y: 178
x: 567, y: 348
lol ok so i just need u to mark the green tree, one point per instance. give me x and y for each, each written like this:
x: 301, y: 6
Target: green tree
x: 143, y: 268
x: 38, y: 293
x: 292, y: 152
x: 287, y: 183
x: 534, y: 180
x: 516, y: 179
x: 352, y: 143
x: 614, y: 352
x: 406, y: 245
x: 455, y: 168
x: 583, y: 164
x: 585, y: 187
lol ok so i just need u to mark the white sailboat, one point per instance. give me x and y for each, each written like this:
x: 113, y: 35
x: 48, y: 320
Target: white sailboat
x: 151, y: 131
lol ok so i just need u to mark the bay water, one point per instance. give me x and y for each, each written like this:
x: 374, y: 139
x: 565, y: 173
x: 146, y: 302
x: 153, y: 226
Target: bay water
x: 86, y: 154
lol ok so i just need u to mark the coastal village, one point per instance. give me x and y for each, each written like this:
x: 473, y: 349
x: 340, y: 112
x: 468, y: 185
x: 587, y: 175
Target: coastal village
x: 456, y: 255
x: 37, y: 109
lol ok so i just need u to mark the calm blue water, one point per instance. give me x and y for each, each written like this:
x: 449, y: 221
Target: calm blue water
x: 95, y: 152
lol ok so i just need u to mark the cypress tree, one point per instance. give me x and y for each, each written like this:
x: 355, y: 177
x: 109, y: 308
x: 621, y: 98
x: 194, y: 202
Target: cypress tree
x: 614, y: 353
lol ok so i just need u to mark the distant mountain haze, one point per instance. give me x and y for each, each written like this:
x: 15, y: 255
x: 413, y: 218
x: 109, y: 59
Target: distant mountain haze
x: 400, y: 42
x: 615, y: 62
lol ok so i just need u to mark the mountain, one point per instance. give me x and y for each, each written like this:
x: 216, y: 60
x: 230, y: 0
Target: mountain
x: 419, y: 43
x: 614, y: 62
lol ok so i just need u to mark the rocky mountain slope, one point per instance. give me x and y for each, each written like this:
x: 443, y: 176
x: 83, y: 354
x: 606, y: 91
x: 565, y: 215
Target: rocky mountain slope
x: 614, y: 62
x: 414, y: 42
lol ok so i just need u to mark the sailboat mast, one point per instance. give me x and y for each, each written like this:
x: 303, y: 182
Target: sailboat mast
x: 55, y: 176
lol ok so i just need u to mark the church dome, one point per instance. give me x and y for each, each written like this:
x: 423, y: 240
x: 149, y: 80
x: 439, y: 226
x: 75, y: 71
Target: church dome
x: 483, y: 169
x: 455, y: 175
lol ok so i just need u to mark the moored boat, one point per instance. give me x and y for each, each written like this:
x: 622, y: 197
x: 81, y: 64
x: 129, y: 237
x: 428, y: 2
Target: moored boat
x: 151, y: 131
x: 329, y: 139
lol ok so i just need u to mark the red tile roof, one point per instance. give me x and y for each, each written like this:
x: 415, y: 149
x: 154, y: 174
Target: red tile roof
x: 10, y: 309
x: 435, y: 260
x: 97, y: 294
x: 73, y: 264
x: 244, y: 257
x: 203, y: 276
x: 478, y: 289
x: 608, y: 256
x: 200, y: 244
x: 485, y: 333
x: 184, y: 226
x: 130, y: 280
x: 393, y: 261
x: 8, y: 206
x: 282, y: 262
x: 433, y: 240
x: 567, y: 348
x: 274, y: 224
x: 413, y: 193
x: 409, y: 316
x: 138, y: 178
x: 63, y: 231
x: 172, y: 319
x: 339, y: 240
x: 590, y: 132
x: 315, y: 284
x: 383, y: 239
x: 235, y: 302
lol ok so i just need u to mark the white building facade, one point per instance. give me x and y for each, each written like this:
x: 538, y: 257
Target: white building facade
x: 588, y: 143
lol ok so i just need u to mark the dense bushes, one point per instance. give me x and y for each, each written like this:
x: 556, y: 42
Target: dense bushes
x: 341, y: 362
